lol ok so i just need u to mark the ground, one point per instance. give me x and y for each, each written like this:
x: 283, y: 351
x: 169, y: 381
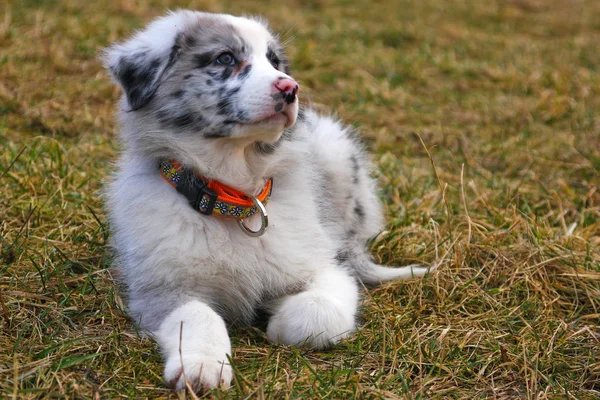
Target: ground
x: 483, y: 119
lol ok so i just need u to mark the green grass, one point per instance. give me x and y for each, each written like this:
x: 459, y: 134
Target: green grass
x: 483, y: 118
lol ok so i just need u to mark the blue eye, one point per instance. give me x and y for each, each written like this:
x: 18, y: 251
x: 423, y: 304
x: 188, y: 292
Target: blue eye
x: 226, y: 59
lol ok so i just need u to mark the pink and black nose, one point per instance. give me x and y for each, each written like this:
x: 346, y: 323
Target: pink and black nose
x: 287, y: 88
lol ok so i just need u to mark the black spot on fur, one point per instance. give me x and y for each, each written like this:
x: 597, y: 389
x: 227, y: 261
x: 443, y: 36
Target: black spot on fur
x: 190, y: 41
x: 178, y: 94
x: 140, y: 76
x: 343, y: 256
x: 242, y: 116
x: 359, y: 211
x: 233, y: 91
x: 209, y: 82
x: 203, y: 60
x: 222, y: 133
x: 162, y: 116
x: 188, y: 76
x: 175, y: 51
x: 138, y: 79
x: 355, y: 168
x: 224, y: 107
x: 245, y: 71
x: 133, y: 79
x: 155, y: 63
x: 278, y: 107
x: 226, y: 74
x: 288, y: 134
x: 183, y: 120
x: 301, y: 116
x: 215, y: 135
x: 266, y: 148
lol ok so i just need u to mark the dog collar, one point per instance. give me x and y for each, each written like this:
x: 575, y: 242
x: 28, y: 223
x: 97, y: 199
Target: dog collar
x: 211, y: 197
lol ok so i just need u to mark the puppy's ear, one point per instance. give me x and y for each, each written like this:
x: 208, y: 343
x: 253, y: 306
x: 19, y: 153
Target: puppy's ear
x: 140, y: 64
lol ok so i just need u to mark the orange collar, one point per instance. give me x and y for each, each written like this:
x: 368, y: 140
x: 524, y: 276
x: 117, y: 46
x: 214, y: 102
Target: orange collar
x: 211, y: 197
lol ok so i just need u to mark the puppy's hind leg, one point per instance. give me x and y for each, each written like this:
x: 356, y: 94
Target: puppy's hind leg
x: 321, y: 315
x: 195, y: 345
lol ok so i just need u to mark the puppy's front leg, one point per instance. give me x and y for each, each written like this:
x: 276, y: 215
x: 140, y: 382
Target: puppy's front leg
x: 320, y: 316
x: 204, y: 342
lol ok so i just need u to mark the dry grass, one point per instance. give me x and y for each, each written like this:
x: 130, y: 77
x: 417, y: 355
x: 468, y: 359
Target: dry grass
x: 483, y: 116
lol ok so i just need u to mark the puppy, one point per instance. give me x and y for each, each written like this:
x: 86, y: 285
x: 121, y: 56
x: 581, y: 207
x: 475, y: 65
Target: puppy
x: 229, y: 200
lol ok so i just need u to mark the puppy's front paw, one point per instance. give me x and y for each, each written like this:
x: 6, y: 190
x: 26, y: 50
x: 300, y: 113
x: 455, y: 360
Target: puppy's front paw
x: 316, y: 320
x: 202, y: 372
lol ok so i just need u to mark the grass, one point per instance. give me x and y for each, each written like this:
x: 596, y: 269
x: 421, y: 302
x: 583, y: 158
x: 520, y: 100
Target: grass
x: 483, y: 118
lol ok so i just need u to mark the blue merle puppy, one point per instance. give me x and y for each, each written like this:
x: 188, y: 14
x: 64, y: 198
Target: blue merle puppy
x: 212, y: 132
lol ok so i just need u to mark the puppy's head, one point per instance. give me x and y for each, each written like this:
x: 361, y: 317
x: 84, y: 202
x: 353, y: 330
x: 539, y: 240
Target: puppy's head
x: 205, y: 77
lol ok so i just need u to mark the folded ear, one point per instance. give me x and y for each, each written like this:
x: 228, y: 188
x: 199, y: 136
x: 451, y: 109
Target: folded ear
x: 140, y: 64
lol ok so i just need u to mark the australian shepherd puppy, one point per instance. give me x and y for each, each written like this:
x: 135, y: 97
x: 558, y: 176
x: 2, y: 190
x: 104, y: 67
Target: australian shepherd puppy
x: 229, y: 200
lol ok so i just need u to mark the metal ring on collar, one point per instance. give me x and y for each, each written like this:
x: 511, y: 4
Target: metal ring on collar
x: 264, y: 219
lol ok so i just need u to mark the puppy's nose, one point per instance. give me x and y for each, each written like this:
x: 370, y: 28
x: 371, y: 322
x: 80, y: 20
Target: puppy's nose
x: 288, y: 88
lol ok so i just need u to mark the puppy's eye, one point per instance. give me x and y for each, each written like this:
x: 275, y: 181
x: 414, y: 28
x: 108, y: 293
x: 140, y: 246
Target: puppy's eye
x: 226, y: 59
x: 273, y: 59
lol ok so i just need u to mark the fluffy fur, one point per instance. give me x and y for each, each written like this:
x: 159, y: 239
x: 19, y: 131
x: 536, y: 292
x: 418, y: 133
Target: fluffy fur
x: 205, y: 89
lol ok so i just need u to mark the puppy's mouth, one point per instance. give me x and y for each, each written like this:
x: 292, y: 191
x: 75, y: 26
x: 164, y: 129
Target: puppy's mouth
x: 285, y: 117
x: 276, y: 119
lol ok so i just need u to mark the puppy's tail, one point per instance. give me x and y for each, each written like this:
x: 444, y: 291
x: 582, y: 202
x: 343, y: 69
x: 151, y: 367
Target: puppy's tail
x: 373, y: 274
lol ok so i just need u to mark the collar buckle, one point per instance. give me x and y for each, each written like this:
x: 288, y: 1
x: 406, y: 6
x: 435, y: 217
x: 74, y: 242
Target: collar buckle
x: 200, y: 197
